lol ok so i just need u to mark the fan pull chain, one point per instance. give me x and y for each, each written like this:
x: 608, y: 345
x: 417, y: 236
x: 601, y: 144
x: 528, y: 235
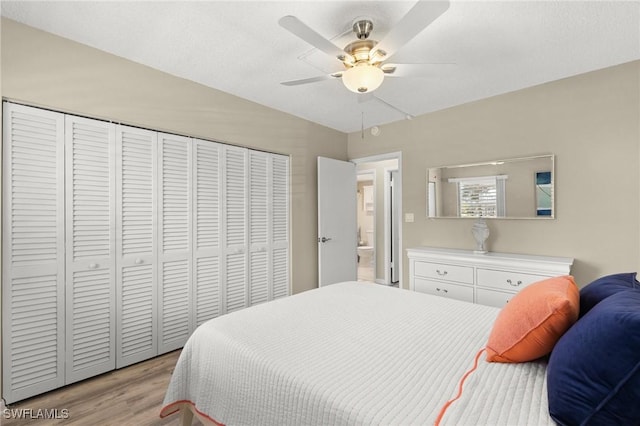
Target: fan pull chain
x: 362, y: 127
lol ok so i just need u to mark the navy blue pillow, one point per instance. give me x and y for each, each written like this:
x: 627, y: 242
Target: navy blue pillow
x: 604, y: 287
x: 593, y: 375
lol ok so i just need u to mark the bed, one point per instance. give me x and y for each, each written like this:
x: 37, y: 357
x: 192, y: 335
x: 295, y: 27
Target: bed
x: 353, y: 353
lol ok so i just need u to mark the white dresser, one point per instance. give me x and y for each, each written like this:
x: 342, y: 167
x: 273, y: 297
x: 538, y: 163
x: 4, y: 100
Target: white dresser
x: 488, y: 279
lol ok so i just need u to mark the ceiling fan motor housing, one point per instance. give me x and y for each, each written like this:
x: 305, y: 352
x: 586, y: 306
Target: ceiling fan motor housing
x: 360, y: 49
x: 362, y: 28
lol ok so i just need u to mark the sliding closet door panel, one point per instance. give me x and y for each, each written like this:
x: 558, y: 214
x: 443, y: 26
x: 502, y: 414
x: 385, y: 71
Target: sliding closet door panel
x: 258, y: 276
x: 280, y: 272
x: 207, y: 289
x: 207, y: 206
x: 175, y: 161
x: 136, y: 281
x: 259, y: 189
x: 279, y: 237
x: 175, y: 241
x: 236, y: 279
x: 207, y: 214
x: 137, y: 339
x: 33, y: 270
x: 235, y: 227
x: 90, y: 241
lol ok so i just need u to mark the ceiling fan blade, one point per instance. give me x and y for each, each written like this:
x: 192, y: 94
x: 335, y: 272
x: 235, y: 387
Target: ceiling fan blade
x: 406, y: 114
x: 369, y: 96
x: 421, y: 15
x: 311, y: 80
x: 300, y: 29
x: 416, y: 70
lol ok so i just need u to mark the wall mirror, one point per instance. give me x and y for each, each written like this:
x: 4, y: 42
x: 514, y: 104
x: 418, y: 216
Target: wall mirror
x: 520, y: 188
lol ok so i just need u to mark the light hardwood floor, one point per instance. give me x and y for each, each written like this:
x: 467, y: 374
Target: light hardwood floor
x: 131, y: 396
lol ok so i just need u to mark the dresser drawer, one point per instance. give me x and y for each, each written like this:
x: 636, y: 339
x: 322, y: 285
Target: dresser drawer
x: 504, y: 280
x: 493, y: 298
x: 441, y: 271
x: 439, y: 288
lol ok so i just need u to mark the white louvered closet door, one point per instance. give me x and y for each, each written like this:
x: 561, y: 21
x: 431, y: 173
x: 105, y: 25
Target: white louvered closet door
x: 279, y: 230
x: 136, y: 282
x: 90, y: 242
x: 33, y: 252
x: 175, y: 241
x: 207, y: 231
x: 235, y: 227
x: 259, y: 221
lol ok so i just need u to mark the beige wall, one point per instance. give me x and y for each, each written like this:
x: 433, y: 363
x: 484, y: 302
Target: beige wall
x: 591, y: 123
x: 45, y: 70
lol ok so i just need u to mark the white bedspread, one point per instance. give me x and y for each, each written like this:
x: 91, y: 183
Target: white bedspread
x: 354, y: 353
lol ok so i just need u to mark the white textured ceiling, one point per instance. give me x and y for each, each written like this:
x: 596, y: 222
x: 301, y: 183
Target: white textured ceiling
x: 238, y: 47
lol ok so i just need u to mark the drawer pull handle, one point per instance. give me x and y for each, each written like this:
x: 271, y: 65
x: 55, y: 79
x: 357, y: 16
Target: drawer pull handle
x: 139, y: 261
x: 516, y: 284
x: 441, y: 273
x: 444, y: 290
x: 93, y: 266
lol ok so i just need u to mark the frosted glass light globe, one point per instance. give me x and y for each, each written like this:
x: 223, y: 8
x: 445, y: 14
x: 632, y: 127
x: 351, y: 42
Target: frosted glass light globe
x: 363, y: 78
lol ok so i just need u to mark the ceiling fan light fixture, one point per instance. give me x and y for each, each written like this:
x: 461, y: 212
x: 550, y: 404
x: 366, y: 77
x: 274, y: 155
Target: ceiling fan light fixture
x: 363, y: 78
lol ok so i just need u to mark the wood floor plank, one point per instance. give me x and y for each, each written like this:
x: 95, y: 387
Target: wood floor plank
x: 131, y: 396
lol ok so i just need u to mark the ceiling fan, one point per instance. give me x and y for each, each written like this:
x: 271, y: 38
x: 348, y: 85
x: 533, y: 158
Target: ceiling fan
x: 365, y: 60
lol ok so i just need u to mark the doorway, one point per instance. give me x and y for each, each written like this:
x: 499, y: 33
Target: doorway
x: 392, y: 224
x: 366, y: 219
x: 383, y: 240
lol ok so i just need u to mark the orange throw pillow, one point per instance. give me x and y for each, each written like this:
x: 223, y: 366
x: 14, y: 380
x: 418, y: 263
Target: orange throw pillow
x: 529, y: 326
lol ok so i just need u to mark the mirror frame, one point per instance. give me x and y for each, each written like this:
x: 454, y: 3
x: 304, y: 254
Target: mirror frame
x: 535, y: 187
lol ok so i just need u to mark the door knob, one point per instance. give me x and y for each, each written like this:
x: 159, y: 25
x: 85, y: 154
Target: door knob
x: 323, y: 239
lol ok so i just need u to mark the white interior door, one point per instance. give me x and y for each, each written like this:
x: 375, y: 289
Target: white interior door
x: 207, y: 231
x: 175, y: 241
x: 279, y: 201
x: 235, y: 227
x: 33, y: 264
x: 258, y: 229
x: 136, y: 245
x: 91, y: 259
x: 337, y: 222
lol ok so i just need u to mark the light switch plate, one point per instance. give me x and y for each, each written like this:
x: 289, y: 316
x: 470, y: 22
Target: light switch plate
x: 408, y: 217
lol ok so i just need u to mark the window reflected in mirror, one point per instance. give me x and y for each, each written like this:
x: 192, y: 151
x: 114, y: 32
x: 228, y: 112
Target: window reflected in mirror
x: 511, y: 188
x: 543, y: 194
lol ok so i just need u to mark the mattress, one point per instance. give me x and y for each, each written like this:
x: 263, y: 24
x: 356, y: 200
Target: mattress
x: 354, y: 353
